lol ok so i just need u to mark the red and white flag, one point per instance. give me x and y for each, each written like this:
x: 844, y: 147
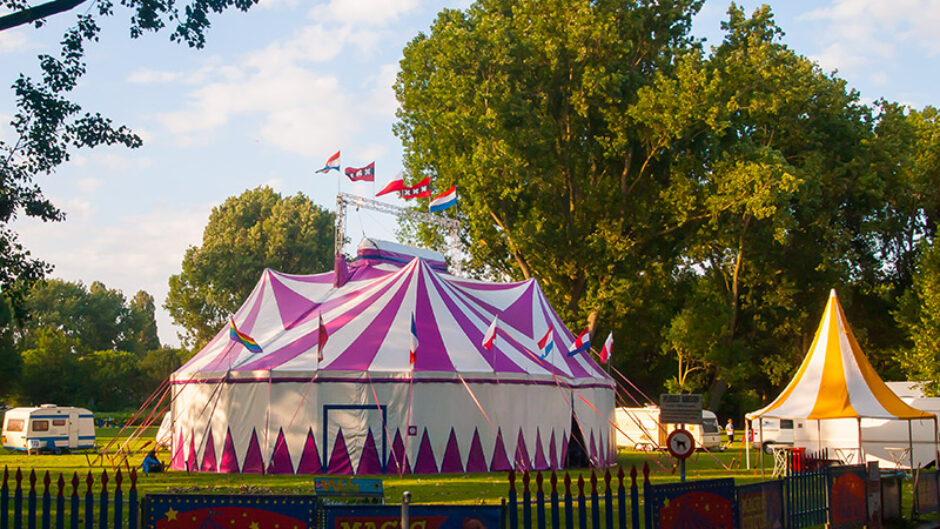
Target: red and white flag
x: 490, y: 337
x: 413, y: 353
x: 608, y: 348
x: 361, y: 174
x: 331, y: 165
x: 322, y: 337
x: 397, y: 184
x: 420, y: 190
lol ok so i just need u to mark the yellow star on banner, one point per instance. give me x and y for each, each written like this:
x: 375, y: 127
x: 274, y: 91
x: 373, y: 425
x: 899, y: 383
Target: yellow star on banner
x: 253, y: 525
x: 171, y: 514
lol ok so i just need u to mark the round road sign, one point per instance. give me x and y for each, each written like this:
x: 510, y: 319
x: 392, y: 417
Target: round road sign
x: 680, y: 443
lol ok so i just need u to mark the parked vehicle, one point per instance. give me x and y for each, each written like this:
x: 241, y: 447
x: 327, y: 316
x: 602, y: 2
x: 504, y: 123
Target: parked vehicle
x: 48, y: 428
x: 640, y: 428
x: 773, y: 432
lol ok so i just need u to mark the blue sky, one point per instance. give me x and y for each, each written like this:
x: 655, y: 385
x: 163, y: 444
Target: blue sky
x: 277, y: 90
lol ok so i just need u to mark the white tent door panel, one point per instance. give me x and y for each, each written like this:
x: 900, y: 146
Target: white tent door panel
x: 355, y: 421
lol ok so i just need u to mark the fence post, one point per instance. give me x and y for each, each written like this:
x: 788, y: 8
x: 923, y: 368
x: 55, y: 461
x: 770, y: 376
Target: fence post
x: 539, y: 501
x: 132, y: 502
x: 608, y: 501
x: 60, y: 504
x: 31, y: 501
x: 5, y: 500
x: 647, y: 504
x: 513, y: 504
x: 89, y: 502
x: 103, y: 502
x: 556, y: 524
x: 46, y: 501
x: 526, y: 501
x: 118, y: 500
x: 569, y: 508
x: 73, y: 520
x: 18, y: 500
x: 595, y: 504
x: 582, y: 509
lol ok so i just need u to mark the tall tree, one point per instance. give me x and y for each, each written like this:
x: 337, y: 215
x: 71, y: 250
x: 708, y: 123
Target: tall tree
x: 256, y: 230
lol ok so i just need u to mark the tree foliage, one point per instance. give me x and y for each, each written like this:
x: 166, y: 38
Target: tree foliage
x: 256, y: 230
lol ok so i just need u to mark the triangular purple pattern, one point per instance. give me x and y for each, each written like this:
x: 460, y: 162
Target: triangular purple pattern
x: 397, y: 457
x: 369, y: 462
x: 208, y: 455
x: 564, y: 450
x: 310, y: 457
x: 553, y: 452
x: 229, y: 461
x: 540, y: 463
x: 452, y: 462
x: 425, y: 463
x: 280, y: 459
x: 339, y: 459
x: 521, y: 460
x: 179, y: 457
x: 191, y: 458
x: 519, y: 313
x: 593, y: 450
x: 291, y: 305
x: 476, y: 461
x: 253, y: 463
x: 499, y: 461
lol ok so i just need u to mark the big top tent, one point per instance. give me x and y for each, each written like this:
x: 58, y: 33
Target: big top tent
x: 363, y: 407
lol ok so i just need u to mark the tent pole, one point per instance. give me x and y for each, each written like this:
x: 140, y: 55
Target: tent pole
x: 861, y: 451
x: 760, y: 428
x: 910, y: 441
x: 747, y: 443
x: 819, y: 435
x: 936, y: 444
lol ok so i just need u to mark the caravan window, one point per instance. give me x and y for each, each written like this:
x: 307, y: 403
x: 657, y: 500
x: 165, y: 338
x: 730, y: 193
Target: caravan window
x: 58, y: 422
x: 41, y: 426
x: 15, y: 425
x: 786, y: 424
x: 710, y: 426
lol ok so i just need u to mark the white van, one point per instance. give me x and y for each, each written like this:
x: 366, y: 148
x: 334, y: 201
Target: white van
x: 48, y: 428
x: 776, y: 432
x: 639, y: 428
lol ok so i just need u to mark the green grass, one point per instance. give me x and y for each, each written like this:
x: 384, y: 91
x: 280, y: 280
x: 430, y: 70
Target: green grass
x: 439, y: 488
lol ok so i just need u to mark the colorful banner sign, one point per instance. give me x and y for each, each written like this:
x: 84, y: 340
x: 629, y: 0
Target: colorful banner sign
x: 206, y: 511
x: 347, y: 487
x: 760, y: 505
x: 710, y: 503
x: 848, y: 503
x: 419, y: 517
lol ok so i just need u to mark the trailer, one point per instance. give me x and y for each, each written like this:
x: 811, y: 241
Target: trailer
x: 640, y: 429
x: 48, y: 428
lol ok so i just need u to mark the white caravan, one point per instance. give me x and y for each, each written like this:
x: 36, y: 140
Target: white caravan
x: 48, y: 428
x: 639, y: 428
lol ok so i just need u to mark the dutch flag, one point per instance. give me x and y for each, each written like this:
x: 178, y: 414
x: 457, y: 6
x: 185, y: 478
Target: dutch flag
x: 444, y: 200
x: 413, y: 353
x: 547, y: 343
x: 582, y: 343
x: 331, y: 165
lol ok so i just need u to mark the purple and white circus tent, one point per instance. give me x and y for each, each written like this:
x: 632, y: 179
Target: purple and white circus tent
x: 364, y: 409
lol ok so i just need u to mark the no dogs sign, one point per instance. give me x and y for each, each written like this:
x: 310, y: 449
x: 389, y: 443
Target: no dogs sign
x: 680, y: 444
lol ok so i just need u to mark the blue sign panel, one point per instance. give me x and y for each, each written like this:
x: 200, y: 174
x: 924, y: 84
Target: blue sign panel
x: 710, y: 503
x: 420, y: 517
x: 203, y: 511
x: 760, y: 505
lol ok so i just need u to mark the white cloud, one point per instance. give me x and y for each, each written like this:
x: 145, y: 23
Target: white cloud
x: 879, y: 78
x: 146, y: 76
x: 861, y: 31
x: 87, y: 185
x: 363, y: 12
x: 12, y: 41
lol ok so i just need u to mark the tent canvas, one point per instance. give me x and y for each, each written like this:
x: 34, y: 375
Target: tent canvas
x: 364, y: 408
x: 842, y: 404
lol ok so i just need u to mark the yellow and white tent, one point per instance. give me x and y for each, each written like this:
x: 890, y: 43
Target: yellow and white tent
x: 837, y: 384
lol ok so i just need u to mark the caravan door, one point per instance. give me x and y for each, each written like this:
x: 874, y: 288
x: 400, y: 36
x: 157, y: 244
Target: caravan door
x: 73, y: 429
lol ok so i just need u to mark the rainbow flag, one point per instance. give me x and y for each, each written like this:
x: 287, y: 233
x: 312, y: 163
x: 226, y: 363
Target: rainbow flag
x: 244, y: 339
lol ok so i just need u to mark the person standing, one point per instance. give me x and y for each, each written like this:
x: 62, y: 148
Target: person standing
x: 729, y: 430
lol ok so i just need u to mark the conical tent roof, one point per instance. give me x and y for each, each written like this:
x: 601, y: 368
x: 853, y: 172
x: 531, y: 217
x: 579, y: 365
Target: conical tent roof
x: 836, y: 380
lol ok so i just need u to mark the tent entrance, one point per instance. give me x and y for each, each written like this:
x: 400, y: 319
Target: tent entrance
x: 356, y: 422
x: 577, y: 456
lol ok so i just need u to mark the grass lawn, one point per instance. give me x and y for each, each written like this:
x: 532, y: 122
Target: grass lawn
x: 438, y: 488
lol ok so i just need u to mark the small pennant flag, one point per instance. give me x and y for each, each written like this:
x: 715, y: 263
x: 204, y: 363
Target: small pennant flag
x: 547, y: 343
x: 490, y: 337
x: 331, y: 165
x: 444, y: 200
x: 420, y: 190
x: 397, y: 184
x: 582, y: 343
x: 412, y: 354
x: 237, y: 336
x: 608, y: 348
x: 362, y: 174
x: 322, y: 337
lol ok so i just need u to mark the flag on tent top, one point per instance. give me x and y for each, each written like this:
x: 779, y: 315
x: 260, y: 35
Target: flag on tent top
x: 420, y: 190
x: 331, y: 165
x: 490, y: 337
x: 414, y: 341
x: 322, y: 337
x: 444, y: 200
x: 582, y: 343
x: 397, y: 184
x: 547, y: 343
x: 608, y: 348
x: 363, y: 174
x: 239, y: 337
